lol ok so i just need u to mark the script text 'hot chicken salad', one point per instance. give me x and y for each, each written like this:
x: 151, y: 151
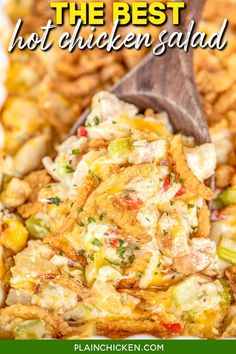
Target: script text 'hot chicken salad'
x: 114, y: 240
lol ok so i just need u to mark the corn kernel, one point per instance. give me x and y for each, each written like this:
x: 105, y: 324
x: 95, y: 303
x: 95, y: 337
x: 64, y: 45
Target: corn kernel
x: 14, y: 235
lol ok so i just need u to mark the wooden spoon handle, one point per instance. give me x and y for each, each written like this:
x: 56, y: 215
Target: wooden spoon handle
x: 166, y: 83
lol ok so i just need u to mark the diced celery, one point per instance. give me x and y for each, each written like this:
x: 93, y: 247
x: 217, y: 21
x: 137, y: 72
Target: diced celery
x: 227, y: 249
x: 185, y: 292
x: 227, y: 197
x: 30, y: 329
x: 225, y: 293
x: 38, y: 225
x: 119, y: 147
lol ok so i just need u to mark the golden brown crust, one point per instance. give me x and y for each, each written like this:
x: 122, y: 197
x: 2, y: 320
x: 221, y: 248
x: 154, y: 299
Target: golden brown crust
x: 55, y: 324
x: 125, y: 219
x: 83, y: 191
x: 82, y: 291
x: 204, y: 224
x: 230, y: 331
x: 140, y: 264
x: 61, y: 244
x: 154, y: 324
x: 185, y: 173
x: 101, y: 199
x: 97, y: 144
x: 231, y: 276
x: 36, y: 181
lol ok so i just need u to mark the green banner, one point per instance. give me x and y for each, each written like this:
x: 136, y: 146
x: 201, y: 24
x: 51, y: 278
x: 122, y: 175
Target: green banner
x: 119, y: 346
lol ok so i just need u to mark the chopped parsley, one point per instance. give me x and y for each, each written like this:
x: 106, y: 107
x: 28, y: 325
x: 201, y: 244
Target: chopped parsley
x: 75, y: 151
x: 81, y: 252
x: 171, y: 202
x: 79, y: 210
x: 95, y: 177
x: 114, y: 122
x: 132, y: 258
x: 48, y: 186
x: 101, y: 217
x: 120, y: 251
x: 96, y: 120
x: 172, y: 178
x: 91, y: 219
x: 87, y: 124
x: 69, y: 169
x: 91, y: 256
x: 121, y: 242
x: 181, y: 181
x: 80, y: 223
x: 190, y: 206
x: 55, y: 201
x: 115, y: 263
x: 139, y: 274
x: 97, y: 243
x: 60, y: 253
x: 165, y: 232
x: 127, y: 191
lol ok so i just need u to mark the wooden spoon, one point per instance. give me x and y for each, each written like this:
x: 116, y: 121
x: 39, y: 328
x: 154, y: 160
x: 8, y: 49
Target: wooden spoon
x: 166, y: 83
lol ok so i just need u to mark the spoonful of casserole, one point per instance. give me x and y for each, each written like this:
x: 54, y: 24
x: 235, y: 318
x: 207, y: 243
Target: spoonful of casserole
x: 166, y: 83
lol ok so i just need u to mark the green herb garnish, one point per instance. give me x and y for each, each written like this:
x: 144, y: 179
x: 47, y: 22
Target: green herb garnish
x: 69, y: 169
x: 95, y: 177
x: 121, y: 242
x: 80, y: 223
x: 96, y: 120
x: 87, y: 124
x: 115, y: 263
x: 55, y: 201
x: 172, y: 177
x: 101, y: 217
x: 139, y: 274
x: 91, y: 219
x: 97, y: 243
x: 75, y: 151
x: 190, y: 206
x: 91, y: 256
x: 132, y: 258
x: 120, y: 251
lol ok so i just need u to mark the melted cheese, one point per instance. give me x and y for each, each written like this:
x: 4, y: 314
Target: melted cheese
x: 202, y: 160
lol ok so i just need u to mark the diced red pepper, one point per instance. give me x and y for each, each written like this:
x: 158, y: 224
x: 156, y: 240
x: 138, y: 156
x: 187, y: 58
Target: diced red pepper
x: 131, y: 202
x: 48, y: 276
x: 114, y: 242
x: 113, y: 238
x: 82, y: 131
x: 181, y: 191
x: 217, y: 215
x: 173, y: 327
x: 166, y: 184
